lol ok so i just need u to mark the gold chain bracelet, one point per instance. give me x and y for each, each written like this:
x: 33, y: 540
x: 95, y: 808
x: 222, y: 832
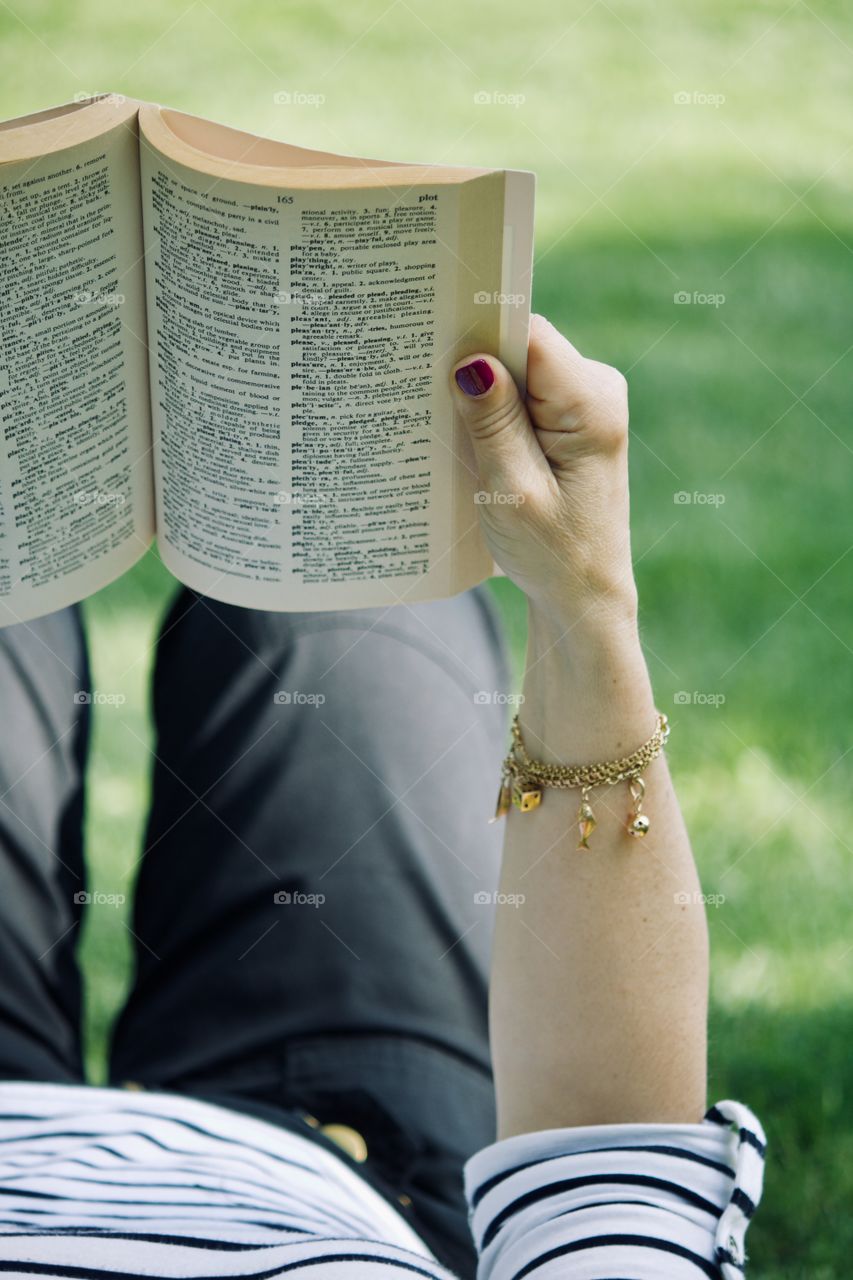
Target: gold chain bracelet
x: 523, y: 780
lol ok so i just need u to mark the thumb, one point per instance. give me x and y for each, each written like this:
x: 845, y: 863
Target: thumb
x: 505, y: 444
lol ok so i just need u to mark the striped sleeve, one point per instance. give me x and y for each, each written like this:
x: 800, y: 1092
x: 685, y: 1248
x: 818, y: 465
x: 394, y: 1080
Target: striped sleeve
x: 638, y: 1201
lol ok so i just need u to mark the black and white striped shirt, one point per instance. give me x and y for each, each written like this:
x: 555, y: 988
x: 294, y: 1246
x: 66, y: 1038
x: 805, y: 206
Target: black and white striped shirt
x: 98, y: 1183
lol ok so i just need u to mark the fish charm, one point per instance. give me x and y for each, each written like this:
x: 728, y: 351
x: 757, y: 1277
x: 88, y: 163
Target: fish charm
x: 586, y: 821
x: 504, y: 799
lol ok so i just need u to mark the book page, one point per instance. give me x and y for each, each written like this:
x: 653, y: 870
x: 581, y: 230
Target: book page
x: 76, y: 478
x: 306, y: 454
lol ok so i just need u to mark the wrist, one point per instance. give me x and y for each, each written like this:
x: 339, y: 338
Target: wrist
x: 603, y: 625
x: 587, y: 692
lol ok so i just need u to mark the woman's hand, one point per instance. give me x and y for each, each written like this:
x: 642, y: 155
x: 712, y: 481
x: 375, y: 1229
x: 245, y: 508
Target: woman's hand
x: 553, y: 476
x: 600, y: 972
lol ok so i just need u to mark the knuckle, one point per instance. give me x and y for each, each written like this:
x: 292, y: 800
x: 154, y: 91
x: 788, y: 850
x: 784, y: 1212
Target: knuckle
x: 494, y: 421
x: 607, y: 411
x: 595, y: 409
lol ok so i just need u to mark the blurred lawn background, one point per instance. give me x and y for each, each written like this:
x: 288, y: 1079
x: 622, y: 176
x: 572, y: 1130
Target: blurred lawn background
x: 742, y: 190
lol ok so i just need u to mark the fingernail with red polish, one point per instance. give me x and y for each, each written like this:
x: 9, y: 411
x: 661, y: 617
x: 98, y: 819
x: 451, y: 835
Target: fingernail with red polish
x: 475, y: 378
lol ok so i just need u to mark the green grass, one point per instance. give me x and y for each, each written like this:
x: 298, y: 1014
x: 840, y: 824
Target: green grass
x: 751, y: 599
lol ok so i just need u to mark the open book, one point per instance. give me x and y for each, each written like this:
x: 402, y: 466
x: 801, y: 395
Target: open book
x: 242, y: 347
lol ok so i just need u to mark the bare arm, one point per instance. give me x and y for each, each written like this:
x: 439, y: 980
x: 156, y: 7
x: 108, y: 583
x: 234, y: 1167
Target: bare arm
x: 599, y: 982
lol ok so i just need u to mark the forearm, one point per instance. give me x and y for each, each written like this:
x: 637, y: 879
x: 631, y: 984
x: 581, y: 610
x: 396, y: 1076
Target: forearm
x: 599, y: 983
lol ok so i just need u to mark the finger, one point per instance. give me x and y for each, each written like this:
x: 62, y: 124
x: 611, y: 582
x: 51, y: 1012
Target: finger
x: 567, y: 393
x: 505, y: 446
